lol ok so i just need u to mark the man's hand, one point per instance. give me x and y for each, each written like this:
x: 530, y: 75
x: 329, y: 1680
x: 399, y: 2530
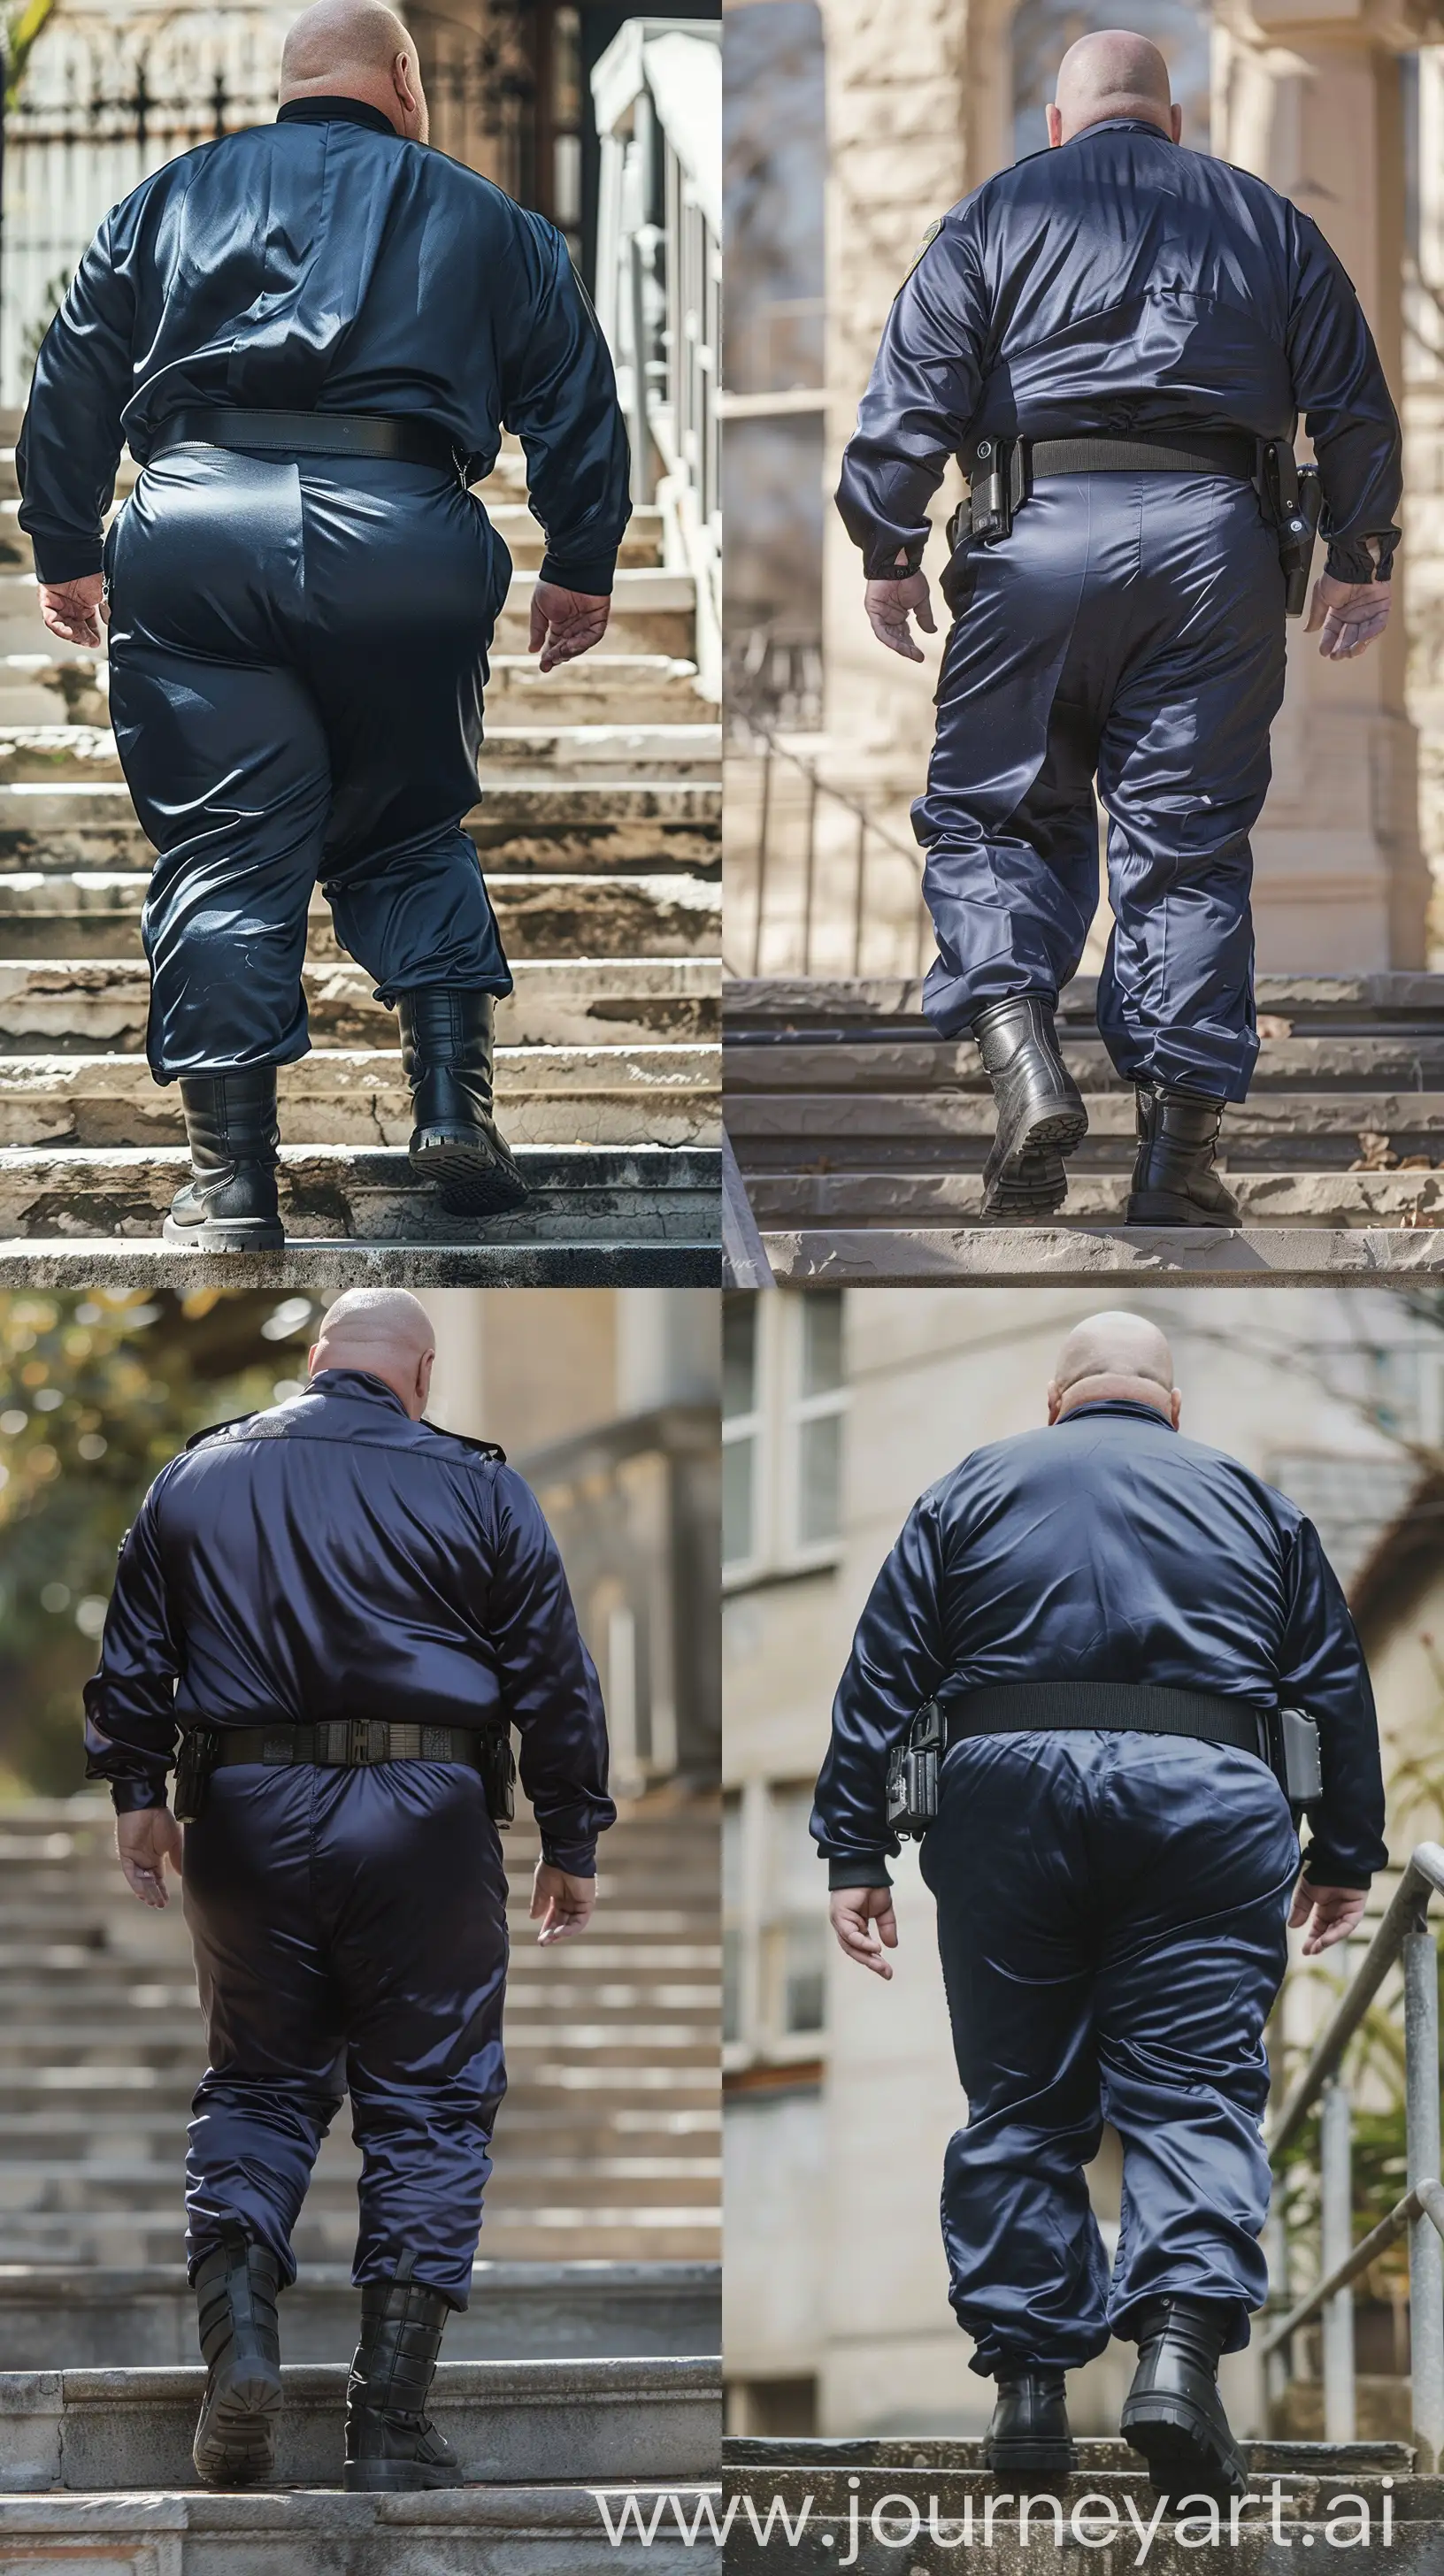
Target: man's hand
x: 73, y: 610
x: 1351, y: 613
x: 565, y: 623
x: 890, y: 604
x: 865, y: 1924
x: 1336, y: 1912
x: 561, y: 1905
x: 146, y: 1839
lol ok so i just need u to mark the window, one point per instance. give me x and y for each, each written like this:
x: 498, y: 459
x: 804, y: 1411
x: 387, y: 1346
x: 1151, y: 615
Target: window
x: 775, y: 1934
x: 784, y: 1396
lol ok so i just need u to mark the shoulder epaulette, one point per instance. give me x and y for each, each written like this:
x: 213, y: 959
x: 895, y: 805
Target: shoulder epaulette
x: 213, y: 1430
x: 483, y: 1448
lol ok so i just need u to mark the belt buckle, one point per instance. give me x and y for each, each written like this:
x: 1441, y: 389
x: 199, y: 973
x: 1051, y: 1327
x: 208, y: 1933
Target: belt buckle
x: 361, y: 1735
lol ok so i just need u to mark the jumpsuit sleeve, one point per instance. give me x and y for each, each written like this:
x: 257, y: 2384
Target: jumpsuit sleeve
x: 1325, y: 1675
x: 1340, y: 387
x: 549, y: 1683
x: 921, y: 395
x: 899, y: 1656
x: 559, y: 395
x: 130, y: 1727
x: 71, y: 436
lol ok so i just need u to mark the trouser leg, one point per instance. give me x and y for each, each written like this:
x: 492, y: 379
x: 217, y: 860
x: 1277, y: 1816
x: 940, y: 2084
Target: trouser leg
x: 1008, y: 820
x: 1201, y: 1839
x: 409, y: 1865
x: 404, y: 581
x: 273, y: 2084
x: 1183, y: 769
x: 1029, y: 2275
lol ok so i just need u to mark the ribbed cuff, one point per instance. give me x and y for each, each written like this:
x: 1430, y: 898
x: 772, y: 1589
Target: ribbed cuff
x: 129, y: 1796
x: 1321, y: 1869
x: 881, y: 564
x: 1355, y: 563
x: 860, y: 1869
x: 593, y: 575
x: 579, y: 1860
x: 68, y: 559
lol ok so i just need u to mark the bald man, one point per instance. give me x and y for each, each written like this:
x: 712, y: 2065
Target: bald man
x: 312, y: 335
x: 1102, y: 1621
x: 1115, y: 338
x: 330, y: 1617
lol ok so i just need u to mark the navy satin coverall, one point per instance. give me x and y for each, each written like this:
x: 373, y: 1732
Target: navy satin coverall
x: 298, y: 646
x: 1111, y: 1906
x: 1132, y: 624
x: 330, y: 1559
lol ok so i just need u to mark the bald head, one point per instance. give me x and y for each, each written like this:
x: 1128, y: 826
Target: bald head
x: 387, y: 1333
x: 356, y: 49
x: 1114, y: 1356
x: 1112, y: 73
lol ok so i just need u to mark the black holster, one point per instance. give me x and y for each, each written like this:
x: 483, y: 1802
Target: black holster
x: 497, y: 1765
x: 1295, y: 498
x: 913, y: 1768
x: 195, y: 1762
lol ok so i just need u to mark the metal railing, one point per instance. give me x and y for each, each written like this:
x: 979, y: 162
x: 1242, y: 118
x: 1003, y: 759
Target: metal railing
x: 1403, y: 1936
x: 783, y: 862
x: 657, y: 95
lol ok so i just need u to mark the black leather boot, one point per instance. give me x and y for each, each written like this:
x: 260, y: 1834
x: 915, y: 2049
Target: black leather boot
x: 446, y: 1052
x: 1028, y: 2438
x: 1173, y: 2412
x: 229, y: 1204
x: 390, y: 2446
x: 236, y: 2292
x: 1041, y: 1116
x: 1174, y: 1182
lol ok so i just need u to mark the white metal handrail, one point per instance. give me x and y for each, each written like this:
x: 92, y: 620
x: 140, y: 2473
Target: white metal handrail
x: 657, y: 97
x: 1403, y: 1936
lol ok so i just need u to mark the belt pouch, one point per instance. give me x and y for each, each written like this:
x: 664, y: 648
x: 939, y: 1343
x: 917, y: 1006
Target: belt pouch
x: 195, y: 1762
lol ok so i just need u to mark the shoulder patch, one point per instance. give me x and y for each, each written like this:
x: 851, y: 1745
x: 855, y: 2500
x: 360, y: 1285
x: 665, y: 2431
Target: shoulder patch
x: 482, y: 1448
x: 213, y: 1430
x: 925, y: 245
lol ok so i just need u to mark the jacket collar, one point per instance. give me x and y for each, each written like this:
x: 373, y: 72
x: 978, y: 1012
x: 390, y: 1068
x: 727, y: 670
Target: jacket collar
x: 1120, y: 125
x: 359, y: 1386
x: 351, y: 111
x: 1119, y: 1404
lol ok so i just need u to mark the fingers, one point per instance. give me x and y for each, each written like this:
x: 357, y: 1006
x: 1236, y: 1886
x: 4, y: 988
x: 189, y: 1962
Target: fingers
x: 1302, y: 1907
x: 573, y: 636
x: 566, y: 1916
x: 145, y: 1883
x: 537, y: 634
x: 896, y: 636
x: 1344, y: 638
x: 862, y: 1934
x: 925, y: 617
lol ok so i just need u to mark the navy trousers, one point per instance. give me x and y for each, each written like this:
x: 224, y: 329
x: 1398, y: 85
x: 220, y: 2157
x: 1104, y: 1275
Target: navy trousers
x: 1111, y: 1913
x: 297, y: 657
x: 1132, y: 627
x: 349, y: 1930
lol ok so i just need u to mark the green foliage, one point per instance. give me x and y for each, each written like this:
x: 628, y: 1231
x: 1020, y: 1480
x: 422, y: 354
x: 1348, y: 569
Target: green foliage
x: 97, y: 1391
x: 24, y: 20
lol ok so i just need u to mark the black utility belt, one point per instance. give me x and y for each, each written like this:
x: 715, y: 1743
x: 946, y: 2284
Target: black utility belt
x: 407, y: 441
x: 1285, y: 1740
x: 346, y: 1743
x: 1001, y: 473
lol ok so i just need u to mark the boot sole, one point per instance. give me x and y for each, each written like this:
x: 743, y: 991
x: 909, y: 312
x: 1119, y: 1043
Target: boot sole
x: 1033, y: 1181
x: 1031, y: 2459
x: 396, y: 2477
x: 1161, y: 1207
x: 235, y: 2443
x: 219, y: 1234
x: 1184, y: 2454
x: 472, y: 1180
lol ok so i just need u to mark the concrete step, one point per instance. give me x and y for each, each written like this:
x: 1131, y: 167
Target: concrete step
x: 512, y: 520
x: 73, y: 2317
x: 553, y: 825
x: 103, y: 2186
x: 63, y: 1004
x: 909, y: 1201
x: 552, y: 2530
x: 62, y: 754
x: 1262, y: 1255
x: 620, y: 2234
x: 88, y: 914
x: 547, y: 1096
x: 93, y: 2430
x: 54, y: 682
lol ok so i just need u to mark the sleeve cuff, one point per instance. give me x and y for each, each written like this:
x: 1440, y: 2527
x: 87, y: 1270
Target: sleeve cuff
x: 1355, y: 563
x: 859, y: 1869
x: 593, y: 575
x: 579, y: 1860
x: 126, y: 1796
x: 70, y: 559
x: 880, y: 563
x: 1321, y: 1869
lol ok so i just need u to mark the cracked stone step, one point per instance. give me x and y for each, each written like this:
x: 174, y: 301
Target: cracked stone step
x: 551, y: 1096
x: 1383, y: 1059
x: 119, y: 2185
x: 1261, y: 1255
x: 62, y: 754
x: 78, y: 2316
x: 787, y: 1200
x: 67, y: 683
x: 96, y: 913
x: 552, y: 2530
x: 894, y: 1003
x: 552, y: 824
x: 72, y: 1003
x: 621, y: 2234
x: 919, y: 1131
x: 94, y: 2430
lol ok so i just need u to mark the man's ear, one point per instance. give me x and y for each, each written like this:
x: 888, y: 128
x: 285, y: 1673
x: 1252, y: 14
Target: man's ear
x: 423, y: 1377
x: 1055, y: 126
x: 1175, y: 122
x: 1175, y: 1408
x: 1055, y: 1401
x: 311, y: 1359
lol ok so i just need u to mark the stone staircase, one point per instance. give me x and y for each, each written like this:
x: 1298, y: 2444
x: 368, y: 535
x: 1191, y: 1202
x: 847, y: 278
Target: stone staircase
x: 852, y: 2503
x: 861, y: 1139
x: 598, y: 826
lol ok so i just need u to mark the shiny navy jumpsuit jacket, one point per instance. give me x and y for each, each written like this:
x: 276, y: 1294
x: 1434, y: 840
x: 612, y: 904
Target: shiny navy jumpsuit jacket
x: 333, y: 1559
x: 1132, y: 625
x: 298, y: 645
x: 1111, y: 1906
